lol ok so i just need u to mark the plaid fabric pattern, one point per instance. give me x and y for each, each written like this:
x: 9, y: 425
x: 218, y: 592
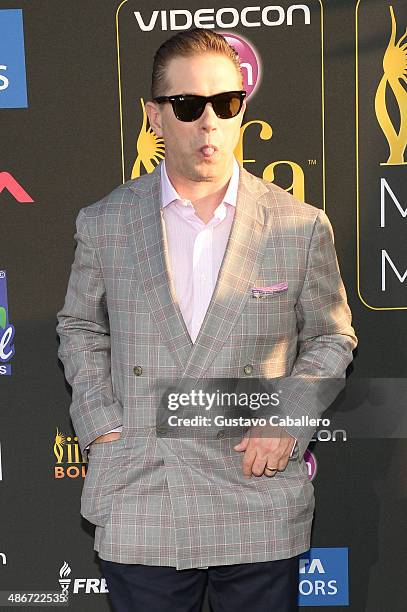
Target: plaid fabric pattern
x: 184, y: 502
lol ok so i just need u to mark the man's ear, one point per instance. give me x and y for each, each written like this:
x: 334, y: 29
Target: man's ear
x: 154, y: 117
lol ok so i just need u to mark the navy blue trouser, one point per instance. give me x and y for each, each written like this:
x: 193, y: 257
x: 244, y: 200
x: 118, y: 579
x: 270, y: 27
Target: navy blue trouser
x: 269, y: 586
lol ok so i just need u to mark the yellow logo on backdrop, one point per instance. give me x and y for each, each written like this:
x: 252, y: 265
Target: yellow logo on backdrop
x: 395, y: 72
x: 69, y: 460
x: 151, y: 148
x: 381, y: 255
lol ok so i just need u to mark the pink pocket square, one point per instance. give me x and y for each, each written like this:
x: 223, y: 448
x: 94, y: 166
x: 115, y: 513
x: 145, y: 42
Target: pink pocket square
x: 258, y: 292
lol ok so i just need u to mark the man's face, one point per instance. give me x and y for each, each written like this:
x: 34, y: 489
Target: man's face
x: 187, y: 155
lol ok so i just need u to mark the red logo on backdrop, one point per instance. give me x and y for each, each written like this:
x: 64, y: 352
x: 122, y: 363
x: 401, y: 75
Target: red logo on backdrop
x: 249, y: 61
x: 7, y: 181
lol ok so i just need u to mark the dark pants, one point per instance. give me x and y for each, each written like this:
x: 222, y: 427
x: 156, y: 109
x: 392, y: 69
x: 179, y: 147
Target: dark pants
x: 269, y: 586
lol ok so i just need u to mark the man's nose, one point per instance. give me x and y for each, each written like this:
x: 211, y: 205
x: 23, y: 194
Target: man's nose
x: 208, y: 118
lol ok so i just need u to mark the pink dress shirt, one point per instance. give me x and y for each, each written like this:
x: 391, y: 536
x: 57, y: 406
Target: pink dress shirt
x: 196, y: 249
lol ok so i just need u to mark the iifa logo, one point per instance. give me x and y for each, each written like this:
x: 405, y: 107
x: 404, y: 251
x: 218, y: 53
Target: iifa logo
x: 324, y: 577
x: 381, y: 155
x: 13, y: 85
x: 295, y: 161
x: 6, y: 329
x: 69, y: 460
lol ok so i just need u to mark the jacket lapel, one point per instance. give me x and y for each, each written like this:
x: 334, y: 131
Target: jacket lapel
x: 243, y: 256
x: 148, y: 242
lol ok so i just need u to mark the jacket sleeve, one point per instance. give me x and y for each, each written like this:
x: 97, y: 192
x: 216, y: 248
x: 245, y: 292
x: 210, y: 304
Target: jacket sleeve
x: 326, y: 337
x: 83, y: 329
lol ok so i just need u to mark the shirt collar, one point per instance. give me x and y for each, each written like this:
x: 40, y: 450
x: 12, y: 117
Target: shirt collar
x: 169, y: 194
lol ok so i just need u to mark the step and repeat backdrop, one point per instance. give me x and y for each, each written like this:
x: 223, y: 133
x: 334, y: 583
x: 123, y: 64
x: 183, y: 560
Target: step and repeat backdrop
x: 326, y: 120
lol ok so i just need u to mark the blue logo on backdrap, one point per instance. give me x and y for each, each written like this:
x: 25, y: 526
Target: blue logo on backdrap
x: 324, y: 578
x: 6, y: 329
x: 13, y: 84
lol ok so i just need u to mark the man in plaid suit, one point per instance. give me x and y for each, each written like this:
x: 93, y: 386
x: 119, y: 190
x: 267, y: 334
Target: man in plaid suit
x: 195, y: 272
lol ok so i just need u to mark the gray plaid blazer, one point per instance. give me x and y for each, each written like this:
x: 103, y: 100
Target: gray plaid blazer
x: 185, y: 502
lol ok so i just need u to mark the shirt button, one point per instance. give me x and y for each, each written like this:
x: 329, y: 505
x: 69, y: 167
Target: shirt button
x: 137, y: 370
x: 221, y: 434
x: 248, y: 369
x: 161, y: 430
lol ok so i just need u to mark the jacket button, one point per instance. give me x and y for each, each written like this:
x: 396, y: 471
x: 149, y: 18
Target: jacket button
x: 161, y: 430
x: 138, y: 370
x: 248, y: 369
x: 221, y: 434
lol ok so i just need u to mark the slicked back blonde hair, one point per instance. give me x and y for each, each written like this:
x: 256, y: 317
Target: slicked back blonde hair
x: 187, y: 43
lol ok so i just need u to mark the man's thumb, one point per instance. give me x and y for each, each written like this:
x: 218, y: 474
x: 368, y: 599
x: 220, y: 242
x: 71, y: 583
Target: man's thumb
x: 242, y: 444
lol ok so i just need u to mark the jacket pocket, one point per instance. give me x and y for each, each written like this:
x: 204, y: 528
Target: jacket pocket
x: 101, y: 481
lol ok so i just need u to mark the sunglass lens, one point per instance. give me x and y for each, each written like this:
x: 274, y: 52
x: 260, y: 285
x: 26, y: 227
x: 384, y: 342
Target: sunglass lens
x: 189, y: 108
x: 227, y: 105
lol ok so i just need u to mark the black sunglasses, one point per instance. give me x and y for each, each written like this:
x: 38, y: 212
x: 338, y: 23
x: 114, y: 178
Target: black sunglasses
x: 189, y: 107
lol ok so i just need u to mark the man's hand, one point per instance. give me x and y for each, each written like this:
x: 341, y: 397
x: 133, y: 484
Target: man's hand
x: 114, y: 435
x: 268, y: 446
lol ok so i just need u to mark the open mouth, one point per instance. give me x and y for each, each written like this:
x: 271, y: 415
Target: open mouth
x: 208, y: 150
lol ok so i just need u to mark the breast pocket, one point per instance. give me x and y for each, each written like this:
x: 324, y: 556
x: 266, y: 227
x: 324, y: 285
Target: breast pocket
x: 267, y: 315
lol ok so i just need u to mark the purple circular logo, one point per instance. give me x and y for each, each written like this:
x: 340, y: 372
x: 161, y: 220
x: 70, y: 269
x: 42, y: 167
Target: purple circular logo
x: 311, y: 462
x: 249, y: 61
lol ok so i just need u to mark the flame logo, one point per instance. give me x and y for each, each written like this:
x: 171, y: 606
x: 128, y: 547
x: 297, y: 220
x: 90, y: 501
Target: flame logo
x: 65, y: 570
x: 58, y: 446
x: 395, y: 74
x: 150, y: 148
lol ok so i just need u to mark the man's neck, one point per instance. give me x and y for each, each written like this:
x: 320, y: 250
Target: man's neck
x: 206, y: 205
x: 204, y: 195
